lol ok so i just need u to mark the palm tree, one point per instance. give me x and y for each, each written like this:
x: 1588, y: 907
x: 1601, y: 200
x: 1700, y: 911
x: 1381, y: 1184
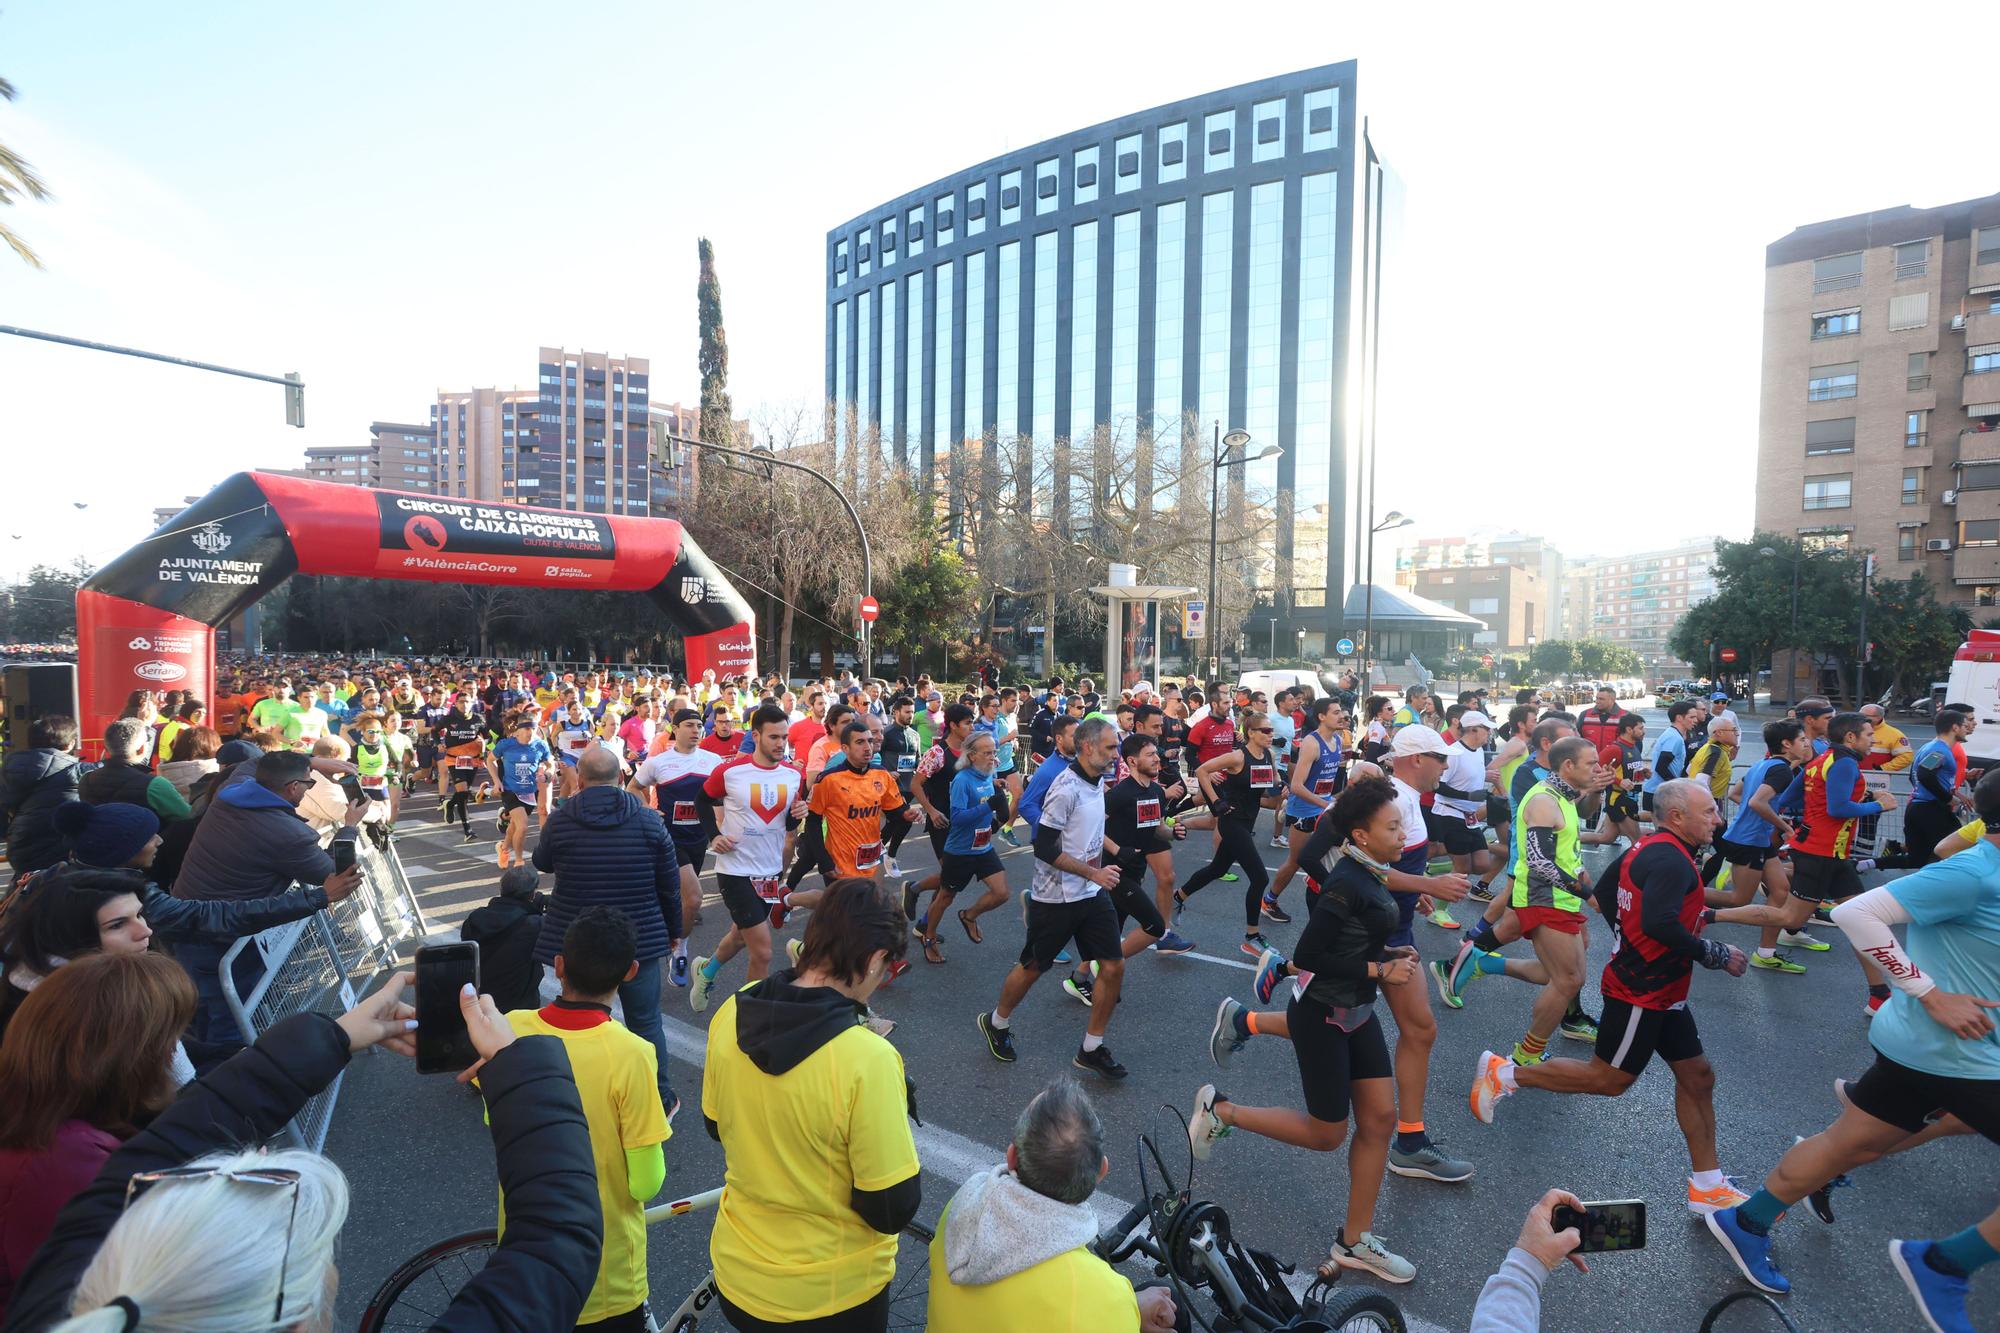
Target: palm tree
x: 17, y: 178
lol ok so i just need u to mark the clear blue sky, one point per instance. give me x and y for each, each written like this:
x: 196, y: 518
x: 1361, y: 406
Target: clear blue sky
x: 397, y: 198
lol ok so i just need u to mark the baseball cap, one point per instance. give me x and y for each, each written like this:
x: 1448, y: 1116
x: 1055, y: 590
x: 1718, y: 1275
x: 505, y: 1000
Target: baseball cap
x: 1719, y: 695
x: 1814, y: 710
x: 1417, y: 739
x: 1474, y: 719
x: 1143, y: 687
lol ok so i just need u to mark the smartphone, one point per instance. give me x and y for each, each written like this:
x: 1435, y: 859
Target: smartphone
x: 344, y: 853
x: 1606, y: 1227
x: 443, y: 1045
x: 351, y: 787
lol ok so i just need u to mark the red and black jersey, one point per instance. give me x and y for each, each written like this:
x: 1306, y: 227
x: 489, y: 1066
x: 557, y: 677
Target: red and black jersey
x: 1658, y: 939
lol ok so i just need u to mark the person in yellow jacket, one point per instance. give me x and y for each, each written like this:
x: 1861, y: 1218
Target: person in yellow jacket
x: 1012, y: 1249
x: 1891, y: 751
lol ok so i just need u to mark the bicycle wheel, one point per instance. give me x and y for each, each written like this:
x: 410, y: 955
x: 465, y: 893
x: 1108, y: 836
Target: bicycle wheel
x: 1360, y: 1310
x: 416, y: 1294
x: 910, y: 1289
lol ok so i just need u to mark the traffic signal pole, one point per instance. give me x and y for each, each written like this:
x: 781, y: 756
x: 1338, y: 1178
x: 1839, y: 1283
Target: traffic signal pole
x: 295, y: 388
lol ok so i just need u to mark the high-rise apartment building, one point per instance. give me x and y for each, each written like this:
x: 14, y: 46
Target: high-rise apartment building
x: 1133, y: 285
x: 398, y: 457
x: 1880, y: 421
x: 1637, y: 600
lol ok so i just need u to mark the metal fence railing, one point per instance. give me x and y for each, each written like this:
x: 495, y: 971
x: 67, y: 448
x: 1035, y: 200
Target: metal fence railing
x: 325, y: 962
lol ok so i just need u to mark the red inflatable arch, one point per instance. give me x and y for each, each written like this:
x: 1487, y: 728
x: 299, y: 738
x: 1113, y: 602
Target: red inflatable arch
x: 148, y: 618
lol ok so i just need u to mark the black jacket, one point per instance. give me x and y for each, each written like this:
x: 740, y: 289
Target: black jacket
x: 32, y: 784
x: 116, y: 780
x: 607, y: 849
x: 538, y: 1278
x: 505, y: 931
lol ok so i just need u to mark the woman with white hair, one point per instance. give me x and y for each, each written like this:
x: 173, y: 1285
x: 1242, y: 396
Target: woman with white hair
x: 186, y: 1229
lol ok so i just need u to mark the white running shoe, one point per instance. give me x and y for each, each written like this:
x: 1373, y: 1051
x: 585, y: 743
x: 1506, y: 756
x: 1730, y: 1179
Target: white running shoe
x: 1370, y: 1255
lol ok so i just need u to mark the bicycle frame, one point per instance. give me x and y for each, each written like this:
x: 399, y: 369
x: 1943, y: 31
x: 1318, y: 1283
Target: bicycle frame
x: 689, y: 1311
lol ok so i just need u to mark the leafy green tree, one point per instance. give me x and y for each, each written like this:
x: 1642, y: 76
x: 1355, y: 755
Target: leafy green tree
x: 930, y: 600
x: 1752, y: 610
x: 1914, y: 634
x: 42, y: 607
x: 717, y: 425
x: 17, y: 181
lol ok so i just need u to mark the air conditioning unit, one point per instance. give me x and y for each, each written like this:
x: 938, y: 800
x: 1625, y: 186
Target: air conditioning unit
x: 1958, y: 323
x: 1938, y: 544
x: 1949, y: 497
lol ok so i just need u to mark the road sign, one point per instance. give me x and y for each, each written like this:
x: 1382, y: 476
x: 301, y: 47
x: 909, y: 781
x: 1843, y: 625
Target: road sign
x: 1345, y: 647
x: 1194, y: 619
x: 1486, y: 659
x: 1728, y: 654
x: 870, y: 608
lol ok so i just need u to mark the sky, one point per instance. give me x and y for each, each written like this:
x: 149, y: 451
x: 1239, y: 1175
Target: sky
x: 392, y: 199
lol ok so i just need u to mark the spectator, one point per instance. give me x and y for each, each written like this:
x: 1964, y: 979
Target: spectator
x: 123, y: 775
x: 1511, y: 1300
x: 111, y: 1263
x: 607, y: 849
x: 85, y: 1063
x: 192, y: 758
x: 252, y: 844
x: 190, y: 712
x: 1012, y: 1250
x: 811, y: 1109
x: 505, y: 931
x: 33, y: 782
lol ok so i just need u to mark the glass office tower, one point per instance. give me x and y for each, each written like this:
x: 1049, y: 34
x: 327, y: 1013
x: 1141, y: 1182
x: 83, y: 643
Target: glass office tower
x: 1124, y: 289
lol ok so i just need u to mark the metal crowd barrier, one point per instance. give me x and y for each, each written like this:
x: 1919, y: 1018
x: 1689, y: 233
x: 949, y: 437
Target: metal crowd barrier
x: 325, y: 962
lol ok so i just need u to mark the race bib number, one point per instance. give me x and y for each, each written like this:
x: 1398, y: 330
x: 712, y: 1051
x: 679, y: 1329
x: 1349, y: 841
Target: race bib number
x: 684, y: 813
x: 377, y: 788
x: 1263, y: 777
x: 982, y: 840
x: 867, y: 856
x: 770, y: 890
x: 1323, y: 787
x: 906, y: 762
x: 1148, y: 812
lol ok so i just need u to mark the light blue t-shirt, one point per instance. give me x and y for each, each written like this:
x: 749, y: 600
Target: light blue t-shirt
x: 519, y: 763
x: 1672, y: 745
x: 1954, y: 938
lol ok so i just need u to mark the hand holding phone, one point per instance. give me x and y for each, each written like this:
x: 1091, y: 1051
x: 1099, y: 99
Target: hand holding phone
x: 444, y: 1044
x: 1606, y: 1227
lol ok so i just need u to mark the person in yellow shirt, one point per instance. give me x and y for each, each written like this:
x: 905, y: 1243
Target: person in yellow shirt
x: 617, y: 1079
x: 812, y: 1111
x: 1012, y: 1250
x: 1714, y: 760
x: 1960, y: 838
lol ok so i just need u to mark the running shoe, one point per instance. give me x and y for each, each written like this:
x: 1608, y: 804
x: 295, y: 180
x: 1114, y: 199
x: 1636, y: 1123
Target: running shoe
x: 1275, y: 912
x: 1204, y: 1126
x: 1223, y: 1041
x: 1487, y: 1089
x: 780, y: 913
x: 793, y: 948
x: 1174, y: 942
x: 1000, y: 1041
x: 1521, y: 1056
x: 910, y: 896
x: 1270, y: 971
x: 1429, y: 1163
x: 1751, y: 1253
x: 1702, y: 1202
x: 677, y: 970
x: 1463, y: 973
x: 1441, y: 974
x: 1279, y: 842
x: 698, y: 984
x: 1579, y: 1027
x: 1443, y: 919
x: 1100, y: 1062
x: 877, y: 1024
x: 1229, y: 878
x: 1823, y: 911
x: 1875, y: 1003
x: 1255, y: 945
x: 1082, y: 987
x: 890, y: 868
x: 1940, y: 1297
x: 1821, y: 1199
x: 896, y: 969
x: 1009, y: 835
x: 1481, y: 891
x: 1063, y: 957
x: 1370, y: 1255
x: 1799, y: 939
x: 1777, y: 962
x: 470, y: 836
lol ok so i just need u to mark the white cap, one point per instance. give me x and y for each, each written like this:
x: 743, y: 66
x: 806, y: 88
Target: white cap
x: 1417, y: 739
x: 1143, y: 687
x: 1474, y: 719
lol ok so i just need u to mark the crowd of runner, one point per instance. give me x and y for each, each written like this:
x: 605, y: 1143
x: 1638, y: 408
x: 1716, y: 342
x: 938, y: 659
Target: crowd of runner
x: 1400, y: 814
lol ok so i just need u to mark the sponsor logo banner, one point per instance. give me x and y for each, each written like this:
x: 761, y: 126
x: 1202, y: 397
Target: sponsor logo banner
x: 483, y: 540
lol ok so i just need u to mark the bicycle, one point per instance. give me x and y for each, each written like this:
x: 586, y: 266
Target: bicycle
x: 416, y: 1294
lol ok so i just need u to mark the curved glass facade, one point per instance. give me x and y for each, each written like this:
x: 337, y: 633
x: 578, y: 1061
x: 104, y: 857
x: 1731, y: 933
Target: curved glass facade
x: 1123, y: 291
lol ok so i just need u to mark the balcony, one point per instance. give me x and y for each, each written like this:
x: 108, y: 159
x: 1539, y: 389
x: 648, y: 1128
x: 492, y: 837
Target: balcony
x: 1982, y: 327
x: 1981, y: 388
x: 1975, y: 564
x: 1978, y: 446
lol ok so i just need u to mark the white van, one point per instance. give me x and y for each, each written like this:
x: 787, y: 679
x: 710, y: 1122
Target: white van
x: 1272, y: 681
x: 1975, y: 680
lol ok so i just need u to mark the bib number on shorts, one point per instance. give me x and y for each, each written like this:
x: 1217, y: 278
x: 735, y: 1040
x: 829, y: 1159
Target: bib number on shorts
x: 770, y: 890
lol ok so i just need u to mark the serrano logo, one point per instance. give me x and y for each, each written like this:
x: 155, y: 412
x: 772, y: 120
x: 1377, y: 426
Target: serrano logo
x: 162, y: 671
x: 424, y: 533
x: 767, y: 800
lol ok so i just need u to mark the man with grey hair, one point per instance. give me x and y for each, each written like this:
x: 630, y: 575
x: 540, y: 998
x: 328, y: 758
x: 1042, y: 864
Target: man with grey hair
x: 1013, y: 1248
x: 1068, y: 900
x: 123, y: 775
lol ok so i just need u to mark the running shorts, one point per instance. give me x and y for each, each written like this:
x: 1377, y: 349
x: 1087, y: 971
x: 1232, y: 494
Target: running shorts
x: 1458, y: 837
x: 1569, y: 923
x: 692, y: 854
x: 1331, y: 1061
x: 1132, y: 903
x: 1498, y: 813
x: 1628, y: 1036
x: 1823, y: 879
x: 1091, y: 922
x: 1743, y: 854
x: 1909, y: 1098
x: 957, y: 871
x: 740, y: 898
x: 509, y: 803
x: 939, y: 832
x: 1619, y: 805
x: 1303, y: 823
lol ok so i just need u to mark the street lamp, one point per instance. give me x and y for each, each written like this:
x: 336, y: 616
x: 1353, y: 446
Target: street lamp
x: 1394, y: 519
x: 1225, y: 447
x: 1798, y: 558
x: 1302, y: 644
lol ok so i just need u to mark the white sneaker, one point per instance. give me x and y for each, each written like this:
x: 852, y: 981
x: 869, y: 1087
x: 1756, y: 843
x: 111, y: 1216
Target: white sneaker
x: 1204, y: 1126
x: 698, y: 984
x: 1370, y: 1255
x: 890, y: 869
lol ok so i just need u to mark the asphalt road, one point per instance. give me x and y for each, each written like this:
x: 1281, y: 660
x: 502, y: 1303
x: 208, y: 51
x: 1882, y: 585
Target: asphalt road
x: 420, y: 1161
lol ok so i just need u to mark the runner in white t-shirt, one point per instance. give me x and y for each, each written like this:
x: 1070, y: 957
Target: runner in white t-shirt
x: 758, y: 799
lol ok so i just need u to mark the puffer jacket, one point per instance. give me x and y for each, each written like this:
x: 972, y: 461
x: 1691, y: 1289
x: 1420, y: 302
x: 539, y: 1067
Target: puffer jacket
x: 606, y: 849
x: 251, y: 844
x: 32, y: 784
x: 538, y: 1278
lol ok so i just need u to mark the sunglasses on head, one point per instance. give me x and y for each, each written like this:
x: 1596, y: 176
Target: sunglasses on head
x: 273, y: 1177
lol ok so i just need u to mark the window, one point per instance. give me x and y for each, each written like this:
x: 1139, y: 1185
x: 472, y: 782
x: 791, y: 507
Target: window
x: 1979, y: 360
x: 913, y: 232
x: 941, y: 221
x: 975, y: 208
x: 1083, y: 185
x: 1987, y: 246
x: 1913, y: 485
x: 1173, y: 152
x: 1829, y: 382
x: 1483, y: 606
x: 1010, y: 198
x: 1218, y: 139
x: 1915, y: 435
x: 863, y: 253
x: 1917, y: 375
x: 1048, y: 185
x: 1979, y: 532
x: 1979, y: 477
x: 1986, y: 594
x: 1125, y: 155
x: 1267, y: 122
x: 1906, y: 543
x: 888, y: 240
x: 1830, y: 437
x: 1320, y: 107
x: 1909, y: 312
x: 1837, y: 323
x: 1837, y: 272
x: 1829, y: 492
x: 1912, y: 259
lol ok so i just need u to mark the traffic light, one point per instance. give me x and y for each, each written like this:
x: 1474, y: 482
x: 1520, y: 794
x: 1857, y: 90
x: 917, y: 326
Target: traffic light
x: 295, y: 400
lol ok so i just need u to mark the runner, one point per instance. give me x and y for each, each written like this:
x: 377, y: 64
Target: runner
x: 519, y: 763
x: 936, y: 771
x: 1137, y: 829
x: 851, y: 799
x: 1068, y: 901
x: 1670, y: 756
x: 1625, y: 756
x: 1937, y: 770
x: 1237, y: 784
x: 376, y: 764
x: 1457, y: 817
x: 570, y: 734
x: 1753, y: 845
x: 898, y: 755
x: 976, y: 805
x: 1654, y: 902
x: 993, y: 721
x: 462, y: 739
x: 760, y: 798
x: 1314, y: 783
x: 676, y: 776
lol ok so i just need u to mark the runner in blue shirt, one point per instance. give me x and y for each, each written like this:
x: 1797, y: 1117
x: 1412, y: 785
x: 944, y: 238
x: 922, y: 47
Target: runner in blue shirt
x: 1751, y: 848
x: 518, y: 761
x: 1670, y: 756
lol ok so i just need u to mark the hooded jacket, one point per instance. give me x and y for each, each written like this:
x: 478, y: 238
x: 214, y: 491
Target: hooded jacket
x: 251, y: 844
x: 1007, y: 1257
x: 32, y: 784
x: 606, y: 849
x: 506, y: 931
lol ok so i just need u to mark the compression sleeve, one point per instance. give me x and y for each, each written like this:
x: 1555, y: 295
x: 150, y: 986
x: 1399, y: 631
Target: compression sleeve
x: 1542, y: 865
x: 1840, y: 778
x: 1865, y: 920
x: 1663, y: 763
x: 645, y: 1171
x: 1446, y: 789
x: 889, y: 1210
x: 1048, y: 844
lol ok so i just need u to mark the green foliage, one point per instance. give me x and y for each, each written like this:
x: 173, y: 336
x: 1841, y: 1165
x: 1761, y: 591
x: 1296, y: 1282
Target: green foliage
x: 17, y: 181
x: 1578, y: 658
x: 42, y: 607
x: 717, y: 425
x: 930, y: 599
x: 1914, y: 634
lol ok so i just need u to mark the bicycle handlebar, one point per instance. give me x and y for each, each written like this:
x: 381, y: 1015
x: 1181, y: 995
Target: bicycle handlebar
x: 1117, y: 1243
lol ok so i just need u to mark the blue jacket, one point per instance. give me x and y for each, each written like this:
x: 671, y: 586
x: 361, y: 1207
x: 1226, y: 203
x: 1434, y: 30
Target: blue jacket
x: 603, y: 852
x: 251, y: 844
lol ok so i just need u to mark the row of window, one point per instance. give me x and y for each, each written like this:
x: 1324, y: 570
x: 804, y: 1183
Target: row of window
x: 1839, y: 380
x: 878, y: 243
x: 1912, y: 311
x: 1910, y: 259
x: 1835, y: 435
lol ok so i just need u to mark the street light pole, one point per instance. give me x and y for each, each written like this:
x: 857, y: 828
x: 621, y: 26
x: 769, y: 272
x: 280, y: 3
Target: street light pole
x: 1236, y: 439
x: 1392, y: 520
x: 295, y: 387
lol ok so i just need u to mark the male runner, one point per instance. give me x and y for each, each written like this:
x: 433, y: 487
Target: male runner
x: 1457, y: 817
x: 898, y: 755
x: 758, y: 797
x: 1625, y: 756
x: 1829, y: 791
x: 676, y: 775
x: 932, y: 790
x: 1136, y: 828
x: 976, y: 803
x: 1754, y: 839
x: 1670, y: 756
x: 462, y: 739
x: 852, y: 799
x: 1934, y: 798
x: 570, y: 735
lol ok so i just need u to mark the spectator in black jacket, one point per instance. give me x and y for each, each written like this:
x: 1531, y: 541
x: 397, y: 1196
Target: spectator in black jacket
x: 124, y: 775
x: 104, y: 1255
x: 506, y: 930
x: 33, y: 783
x: 607, y: 849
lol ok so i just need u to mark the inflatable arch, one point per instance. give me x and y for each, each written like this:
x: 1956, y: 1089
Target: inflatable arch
x: 148, y: 618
